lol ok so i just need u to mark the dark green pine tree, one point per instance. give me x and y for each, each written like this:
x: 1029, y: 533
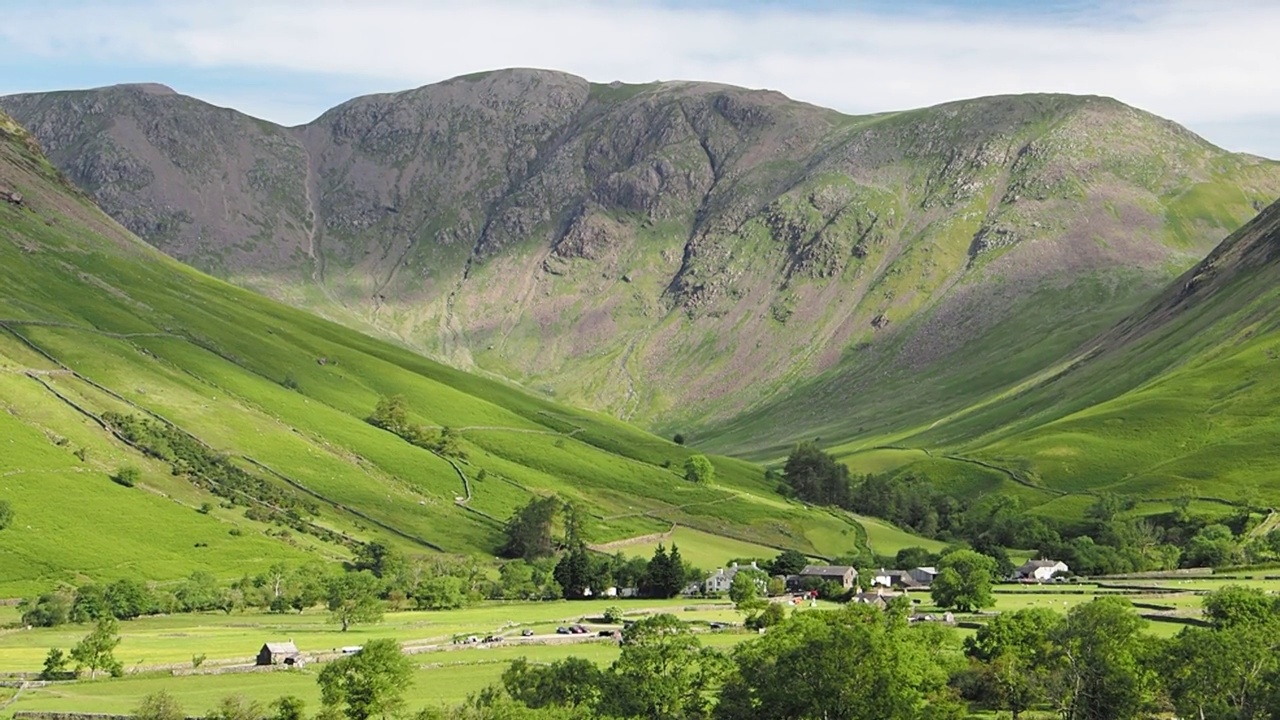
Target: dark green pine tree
x: 673, y: 577
x: 573, y: 572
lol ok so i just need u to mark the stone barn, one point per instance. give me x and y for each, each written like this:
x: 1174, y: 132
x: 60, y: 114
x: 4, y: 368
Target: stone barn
x: 279, y: 653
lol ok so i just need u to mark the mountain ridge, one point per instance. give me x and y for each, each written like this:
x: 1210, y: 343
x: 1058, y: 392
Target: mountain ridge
x: 681, y: 254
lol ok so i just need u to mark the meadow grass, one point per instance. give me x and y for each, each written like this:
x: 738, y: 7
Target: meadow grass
x: 175, y: 639
x: 703, y: 550
x: 887, y: 539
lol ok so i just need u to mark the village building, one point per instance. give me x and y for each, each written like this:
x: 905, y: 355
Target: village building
x: 279, y: 653
x: 722, y: 579
x: 923, y: 575
x: 843, y: 575
x: 1041, y: 570
x: 879, y: 597
x: 895, y: 579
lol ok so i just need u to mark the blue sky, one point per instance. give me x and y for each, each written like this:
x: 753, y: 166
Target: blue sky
x: 1208, y: 65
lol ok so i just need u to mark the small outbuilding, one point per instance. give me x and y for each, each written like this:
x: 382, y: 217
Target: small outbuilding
x: 279, y: 653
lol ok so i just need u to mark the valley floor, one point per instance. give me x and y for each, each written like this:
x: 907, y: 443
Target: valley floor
x: 158, y: 651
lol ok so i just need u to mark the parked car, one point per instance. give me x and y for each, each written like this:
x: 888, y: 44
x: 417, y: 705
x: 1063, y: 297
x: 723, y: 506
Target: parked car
x: 578, y: 630
x: 526, y: 633
x: 493, y: 639
x: 562, y: 630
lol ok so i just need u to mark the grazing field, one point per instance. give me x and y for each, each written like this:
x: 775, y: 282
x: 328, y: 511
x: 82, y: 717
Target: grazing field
x: 886, y: 539
x: 704, y: 550
x: 445, y: 675
x: 175, y: 639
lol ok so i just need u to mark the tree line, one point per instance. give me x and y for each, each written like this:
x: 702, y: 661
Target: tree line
x: 1105, y: 541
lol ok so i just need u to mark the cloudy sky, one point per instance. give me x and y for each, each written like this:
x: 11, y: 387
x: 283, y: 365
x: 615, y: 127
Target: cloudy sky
x: 1209, y: 65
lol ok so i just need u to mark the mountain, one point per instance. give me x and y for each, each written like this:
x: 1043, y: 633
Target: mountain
x: 728, y: 263
x: 1177, y: 400
x: 157, y: 421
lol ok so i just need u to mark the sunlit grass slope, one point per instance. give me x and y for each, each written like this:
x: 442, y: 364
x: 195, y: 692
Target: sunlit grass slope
x: 1179, y: 399
x: 92, y: 321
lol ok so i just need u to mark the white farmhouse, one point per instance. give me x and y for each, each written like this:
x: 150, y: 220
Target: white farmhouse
x: 1041, y: 570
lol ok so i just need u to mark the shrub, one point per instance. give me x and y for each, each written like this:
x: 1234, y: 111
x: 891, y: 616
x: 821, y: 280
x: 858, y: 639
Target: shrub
x: 127, y: 476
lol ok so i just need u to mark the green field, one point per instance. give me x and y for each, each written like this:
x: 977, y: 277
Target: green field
x: 449, y: 673
x: 702, y: 549
x: 175, y: 639
x: 886, y: 539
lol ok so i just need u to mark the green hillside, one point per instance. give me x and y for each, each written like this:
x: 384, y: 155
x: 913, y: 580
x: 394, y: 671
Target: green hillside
x: 1179, y: 400
x: 253, y: 414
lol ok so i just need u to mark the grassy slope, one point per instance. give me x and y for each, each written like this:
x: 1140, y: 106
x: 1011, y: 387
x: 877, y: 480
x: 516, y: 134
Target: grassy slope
x: 130, y: 330
x: 1178, y: 399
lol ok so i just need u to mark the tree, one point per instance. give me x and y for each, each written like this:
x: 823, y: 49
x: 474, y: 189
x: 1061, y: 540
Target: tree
x: 853, y: 664
x: 678, y: 438
x: 199, y: 592
x: 775, y: 587
x: 6, y: 514
x: 572, y: 682
x: 1221, y: 673
x: 159, y: 706
x: 699, y: 470
x: 289, y: 707
x: 47, y: 610
x: 127, y: 476
x: 1213, y: 546
x: 89, y: 604
x: 370, y: 683
x: 236, y: 707
x: 772, y: 614
x: 530, y: 530
x: 55, y: 665
x: 664, y: 577
x: 305, y: 589
x: 964, y: 581
x: 747, y: 589
x: 378, y: 559
x: 353, y: 598
x: 1017, y: 656
x: 612, y: 614
x: 441, y: 592
x: 1232, y: 669
x: 96, y: 650
x: 817, y: 477
x: 1103, y: 676
x: 1236, y: 605
x: 788, y: 562
x: 913, y: 557
x: 128, y: 598
x: 391, y: 414
x: 663, y: 672
x: 574, y: 573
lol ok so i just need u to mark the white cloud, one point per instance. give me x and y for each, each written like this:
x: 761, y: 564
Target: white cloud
x: 1201, y: 63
